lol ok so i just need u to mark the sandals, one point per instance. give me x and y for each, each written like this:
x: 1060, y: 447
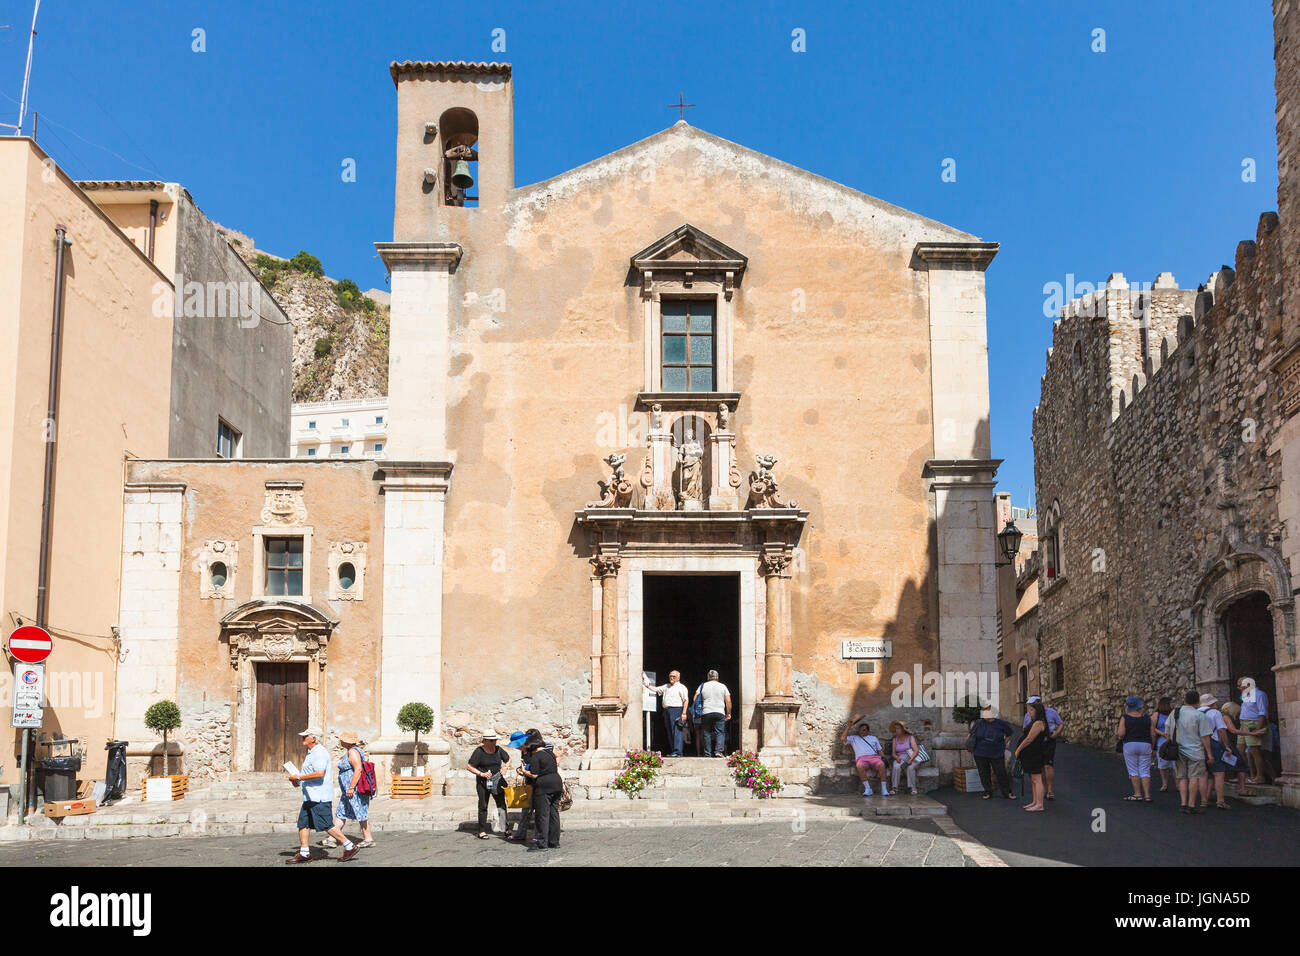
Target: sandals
x: 482, y: 836
x: 1133, y: 799
x: 1223, y: 806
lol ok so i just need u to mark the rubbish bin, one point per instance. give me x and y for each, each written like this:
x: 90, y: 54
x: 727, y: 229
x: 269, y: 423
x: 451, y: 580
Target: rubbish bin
x: 115, y: 775
x: 59, y: 778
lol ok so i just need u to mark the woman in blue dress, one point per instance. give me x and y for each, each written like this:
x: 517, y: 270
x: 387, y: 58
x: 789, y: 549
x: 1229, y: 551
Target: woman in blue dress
x: 352, y: 805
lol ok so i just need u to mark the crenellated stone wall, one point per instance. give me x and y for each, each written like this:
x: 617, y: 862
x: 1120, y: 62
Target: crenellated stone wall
x: 1159, y: 462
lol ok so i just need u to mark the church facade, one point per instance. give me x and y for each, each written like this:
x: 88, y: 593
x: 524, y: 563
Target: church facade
x: 685, y: 407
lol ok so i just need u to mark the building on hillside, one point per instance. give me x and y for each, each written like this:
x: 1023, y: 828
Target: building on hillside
x: 133, y: 381
x: 1017, y: 650
x: 1166, y: 455
x: 683, y: 407
x: 345, y: 428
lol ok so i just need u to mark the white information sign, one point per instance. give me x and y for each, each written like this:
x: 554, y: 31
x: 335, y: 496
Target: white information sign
x: 29, y: 695
x: 649, y: 699
x: 858, y: 650
x: 157, y: 788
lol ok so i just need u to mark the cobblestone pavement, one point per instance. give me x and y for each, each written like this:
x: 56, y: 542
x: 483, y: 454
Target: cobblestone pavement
x: 839, y: 842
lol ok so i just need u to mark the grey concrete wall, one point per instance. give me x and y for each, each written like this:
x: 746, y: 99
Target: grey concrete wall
x: 232, y: 354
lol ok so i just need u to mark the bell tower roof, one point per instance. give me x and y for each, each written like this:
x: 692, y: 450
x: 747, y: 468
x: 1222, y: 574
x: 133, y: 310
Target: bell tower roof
x: 446, y: 68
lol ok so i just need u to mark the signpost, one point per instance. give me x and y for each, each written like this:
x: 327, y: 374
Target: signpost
x: 29, y: 646
x: 649, y: 702
x: 29, y: 695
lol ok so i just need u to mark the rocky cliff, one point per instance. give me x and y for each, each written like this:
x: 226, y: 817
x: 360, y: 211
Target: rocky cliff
x: 340, y: 335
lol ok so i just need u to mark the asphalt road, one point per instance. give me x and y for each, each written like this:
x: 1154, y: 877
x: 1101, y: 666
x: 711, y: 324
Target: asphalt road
x: 1090, y: 824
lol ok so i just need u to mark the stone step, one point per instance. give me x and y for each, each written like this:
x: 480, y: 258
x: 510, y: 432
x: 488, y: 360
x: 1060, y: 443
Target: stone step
x: 440, y: 813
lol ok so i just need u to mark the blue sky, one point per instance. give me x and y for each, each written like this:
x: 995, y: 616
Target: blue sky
x: 1075, y: 161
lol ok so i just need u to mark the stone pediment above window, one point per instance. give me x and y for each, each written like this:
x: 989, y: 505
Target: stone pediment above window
x: 688, y: 255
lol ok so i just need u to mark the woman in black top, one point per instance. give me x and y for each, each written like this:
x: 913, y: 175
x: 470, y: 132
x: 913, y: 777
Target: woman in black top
x: 1031, y: 752
x: 544, y: 774
x: 486, y: 761
x: 1135, y: 736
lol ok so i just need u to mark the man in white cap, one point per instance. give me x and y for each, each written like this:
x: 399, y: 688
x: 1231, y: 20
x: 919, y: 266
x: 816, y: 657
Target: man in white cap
x: 317, y: 799
x: 1220, y: 748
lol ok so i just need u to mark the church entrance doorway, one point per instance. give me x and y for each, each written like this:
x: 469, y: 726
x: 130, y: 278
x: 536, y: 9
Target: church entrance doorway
x: 692, y: 625
x: 1248, y: 627
x: 281, y: 714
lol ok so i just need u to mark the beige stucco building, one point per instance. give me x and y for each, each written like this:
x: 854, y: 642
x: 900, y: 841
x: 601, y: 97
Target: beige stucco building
x: 684, y: 407
x: 134, y: 379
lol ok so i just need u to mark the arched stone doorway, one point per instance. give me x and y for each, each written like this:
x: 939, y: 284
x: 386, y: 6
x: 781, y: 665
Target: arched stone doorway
x: 278, y: 650
x: 1247, y: 626
x: 1244, y: 617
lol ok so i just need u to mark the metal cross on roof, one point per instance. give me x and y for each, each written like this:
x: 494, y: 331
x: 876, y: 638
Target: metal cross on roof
x: 680, y: 105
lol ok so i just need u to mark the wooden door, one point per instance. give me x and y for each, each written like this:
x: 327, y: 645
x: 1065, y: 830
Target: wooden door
x: 281, y: 714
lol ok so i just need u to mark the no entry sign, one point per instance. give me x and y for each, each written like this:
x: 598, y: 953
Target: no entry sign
x: 30, y: 644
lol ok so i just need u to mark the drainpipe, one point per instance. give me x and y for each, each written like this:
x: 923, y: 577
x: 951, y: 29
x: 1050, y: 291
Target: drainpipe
x: 153, y: 224
x: 47, y: 498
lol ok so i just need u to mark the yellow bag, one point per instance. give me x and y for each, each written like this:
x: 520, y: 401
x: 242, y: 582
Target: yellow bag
x: 519, y: 798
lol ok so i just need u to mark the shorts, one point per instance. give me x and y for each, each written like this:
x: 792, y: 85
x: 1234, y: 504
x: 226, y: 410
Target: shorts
x: 1185, y: 769
x: 1049, y: 752
x: 871, y: 762
x: 315, y: 815
x: 1219, y: 765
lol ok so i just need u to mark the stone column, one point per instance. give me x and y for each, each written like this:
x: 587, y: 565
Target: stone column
x: 607, y: 706
x: 606, y: 566
x: 777, y: 710
x: 662, y: 465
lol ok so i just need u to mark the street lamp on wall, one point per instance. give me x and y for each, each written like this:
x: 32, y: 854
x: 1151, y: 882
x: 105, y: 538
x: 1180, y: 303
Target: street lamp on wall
x: 1009, y: 541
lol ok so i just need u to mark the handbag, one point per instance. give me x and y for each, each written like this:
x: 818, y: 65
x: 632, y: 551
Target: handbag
x: 566, y: 796
x: 970, y: 740
x: 922, y: 755
x: 1169, y: 749
x: 519, y: 797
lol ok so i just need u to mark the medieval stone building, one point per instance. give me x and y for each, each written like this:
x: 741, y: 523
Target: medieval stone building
x: 684, y: 407
x: 1166, y: 449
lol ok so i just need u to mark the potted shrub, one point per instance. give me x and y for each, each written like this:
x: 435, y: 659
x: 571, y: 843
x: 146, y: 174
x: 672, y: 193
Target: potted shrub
x: 416, y: 718
x: 162, y: 718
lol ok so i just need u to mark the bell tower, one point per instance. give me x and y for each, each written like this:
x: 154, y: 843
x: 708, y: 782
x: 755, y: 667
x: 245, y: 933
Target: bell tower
x: 455, y: 145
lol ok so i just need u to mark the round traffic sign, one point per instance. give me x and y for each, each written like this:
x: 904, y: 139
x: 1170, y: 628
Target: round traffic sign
x: 30, y: 644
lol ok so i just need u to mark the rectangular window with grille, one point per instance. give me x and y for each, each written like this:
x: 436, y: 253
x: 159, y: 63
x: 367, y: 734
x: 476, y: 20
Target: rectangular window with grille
x: 688, y: 345
x: 283, y: 566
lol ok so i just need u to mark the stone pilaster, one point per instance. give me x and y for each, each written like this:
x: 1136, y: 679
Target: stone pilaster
x: 415, y: 495
x: 419, y: 347
x: 149, y: 618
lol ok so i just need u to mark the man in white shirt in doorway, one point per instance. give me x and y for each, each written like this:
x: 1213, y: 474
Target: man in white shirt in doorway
x: 716, y: 709
x: 675, y: 697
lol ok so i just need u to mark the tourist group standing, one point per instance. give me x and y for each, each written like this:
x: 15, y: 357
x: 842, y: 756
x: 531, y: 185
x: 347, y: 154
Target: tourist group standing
x: 708, y: 713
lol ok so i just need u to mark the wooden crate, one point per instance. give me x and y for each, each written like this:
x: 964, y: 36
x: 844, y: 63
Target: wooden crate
x: 412, y: 788
x: 967, y: 780
x: 69, y: 808
x: 180, y: 785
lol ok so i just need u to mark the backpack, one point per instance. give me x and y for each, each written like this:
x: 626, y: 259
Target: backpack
x: 367, y: 786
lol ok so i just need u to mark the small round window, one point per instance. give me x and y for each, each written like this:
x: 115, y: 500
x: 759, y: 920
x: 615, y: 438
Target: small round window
x: 218, y: 575
x: 347, y: 575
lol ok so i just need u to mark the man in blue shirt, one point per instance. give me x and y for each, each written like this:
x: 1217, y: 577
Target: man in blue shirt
x: 1054, y: 725
x: 317, y: 812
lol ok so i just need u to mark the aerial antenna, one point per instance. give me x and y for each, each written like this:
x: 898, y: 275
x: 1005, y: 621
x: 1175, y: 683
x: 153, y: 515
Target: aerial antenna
x: 27, y: 74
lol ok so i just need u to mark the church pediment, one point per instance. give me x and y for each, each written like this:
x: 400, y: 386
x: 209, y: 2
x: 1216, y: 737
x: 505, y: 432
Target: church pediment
x: 688, y: 248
